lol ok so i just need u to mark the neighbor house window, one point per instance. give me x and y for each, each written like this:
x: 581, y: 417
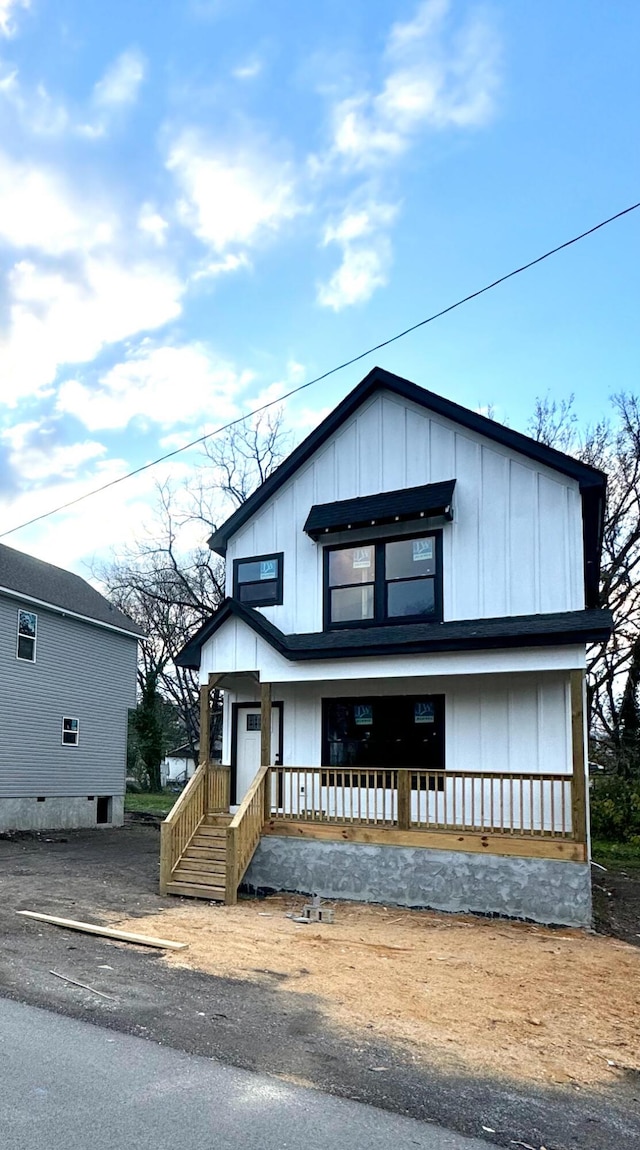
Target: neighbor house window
x: 257, y: 582
x: 70, y: 732
x: 396, y: 580
x: 27, y: 632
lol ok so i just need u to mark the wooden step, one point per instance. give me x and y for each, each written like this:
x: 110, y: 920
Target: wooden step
x: 205, y: 853
x: 202, y: 866
x: 197, y: 875
x: 193, y: 890
x: 217, y: 820
x: 207, y: 832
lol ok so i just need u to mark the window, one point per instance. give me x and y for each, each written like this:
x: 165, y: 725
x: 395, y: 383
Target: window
x: 254, y: 722
x: 384, y: 731
x: 27, y: 631
x: 398, y: 580
x: 257, y: 582
x: 70, y: 732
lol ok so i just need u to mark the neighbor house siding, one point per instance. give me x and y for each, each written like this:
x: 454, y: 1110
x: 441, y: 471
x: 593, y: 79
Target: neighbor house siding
x: 82, y: 671
x: 514, y: 547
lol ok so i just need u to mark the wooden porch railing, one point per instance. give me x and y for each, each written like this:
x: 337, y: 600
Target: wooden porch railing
x: 243, y: 834
x: 408, y: 798
x: 206, y: 792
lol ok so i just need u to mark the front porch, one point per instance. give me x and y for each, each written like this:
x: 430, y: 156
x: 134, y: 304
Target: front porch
x: 207, y: 849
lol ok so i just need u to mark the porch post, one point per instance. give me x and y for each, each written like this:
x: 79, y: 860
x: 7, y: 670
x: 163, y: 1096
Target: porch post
x: 205, y: 724
x: 579, y: 780
x: 404, y: 799
x: 265, y: 745
x: 265, y: 724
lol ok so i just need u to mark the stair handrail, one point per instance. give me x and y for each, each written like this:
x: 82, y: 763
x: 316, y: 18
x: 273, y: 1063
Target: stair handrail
x: 243, y: 834
x: 189, y: 809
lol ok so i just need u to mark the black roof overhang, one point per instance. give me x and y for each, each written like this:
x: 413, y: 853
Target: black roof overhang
x: 506, y: 632
x: 409, y: 503
x: 591, y: 481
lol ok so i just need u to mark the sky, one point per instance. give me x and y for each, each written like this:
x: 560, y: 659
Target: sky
x: 204, y: 203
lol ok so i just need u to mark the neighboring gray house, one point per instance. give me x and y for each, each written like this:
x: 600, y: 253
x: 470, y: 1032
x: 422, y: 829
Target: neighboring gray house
x: 67, y: 680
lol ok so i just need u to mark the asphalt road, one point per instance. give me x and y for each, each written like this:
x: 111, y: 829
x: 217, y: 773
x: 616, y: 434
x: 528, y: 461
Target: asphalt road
x: 68, y: 1085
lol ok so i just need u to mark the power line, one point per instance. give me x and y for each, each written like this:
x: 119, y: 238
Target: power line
x: 325, y: 374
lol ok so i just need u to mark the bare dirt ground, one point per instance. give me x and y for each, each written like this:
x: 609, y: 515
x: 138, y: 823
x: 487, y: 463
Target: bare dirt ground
x: 508, y: 998
x: 498, y: 1030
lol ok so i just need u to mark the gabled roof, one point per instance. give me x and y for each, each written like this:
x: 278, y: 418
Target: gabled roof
x: 554, y: 629
x: 380, y: 380
x: 592, y: 482
x: 48, y: 586
x: 430, y: 500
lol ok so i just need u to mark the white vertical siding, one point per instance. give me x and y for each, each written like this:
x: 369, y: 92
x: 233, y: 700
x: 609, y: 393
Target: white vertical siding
x: 515, y: 546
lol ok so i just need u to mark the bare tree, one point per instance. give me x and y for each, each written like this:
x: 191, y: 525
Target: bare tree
x: 170, y: 589
x: 614, y: 447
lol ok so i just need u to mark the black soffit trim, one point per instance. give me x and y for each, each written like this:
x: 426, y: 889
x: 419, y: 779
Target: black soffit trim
x: 409, y: 503
x: 380, y: 380
x: 560, y: 628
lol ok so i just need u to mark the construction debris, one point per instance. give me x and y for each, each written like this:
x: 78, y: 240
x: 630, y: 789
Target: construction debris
x: 82, y: 984
x: 105, y: 931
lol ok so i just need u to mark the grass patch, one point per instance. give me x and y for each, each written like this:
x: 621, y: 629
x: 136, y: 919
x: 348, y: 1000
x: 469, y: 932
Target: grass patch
x: 149, y: 803
x: 616, y: 854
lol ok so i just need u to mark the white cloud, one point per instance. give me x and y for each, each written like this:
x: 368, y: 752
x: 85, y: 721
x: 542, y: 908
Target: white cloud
x: 231, y: 199
x: 35, y: 458
x: 248, y: 70
x: 56, y: 319
x: 162, y: 385
x: 435, y: 77
x: 153, y: 224
x: 366, y: 254
x: 38, y: 211
x: 229, y: 263
x: 121, y: 82
x: 8, y: 9
x: 363, y: 269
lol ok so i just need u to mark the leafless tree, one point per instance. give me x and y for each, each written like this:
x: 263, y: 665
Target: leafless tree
x: 171, y: 590
x: 613, y: 446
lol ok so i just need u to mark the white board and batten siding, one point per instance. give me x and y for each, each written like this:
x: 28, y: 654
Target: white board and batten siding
x: 514, y: 547
x: 492, y: 724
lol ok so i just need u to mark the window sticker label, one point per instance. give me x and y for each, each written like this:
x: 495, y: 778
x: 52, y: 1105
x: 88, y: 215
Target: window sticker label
x: 27, y: 624
x: 363, y: 713
x: 422, y: 549
x: 269, y: 569
x: 361, y: 557
x: 424, y: 713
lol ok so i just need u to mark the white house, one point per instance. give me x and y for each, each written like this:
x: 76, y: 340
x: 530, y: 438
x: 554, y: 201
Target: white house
x: 409, y: 596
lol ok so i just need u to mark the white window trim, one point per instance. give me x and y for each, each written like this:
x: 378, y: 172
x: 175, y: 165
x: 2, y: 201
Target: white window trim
x: 24, y: 611
x: 70, y: 719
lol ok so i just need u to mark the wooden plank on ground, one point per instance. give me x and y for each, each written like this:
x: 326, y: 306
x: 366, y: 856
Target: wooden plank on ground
x: 105, y: 931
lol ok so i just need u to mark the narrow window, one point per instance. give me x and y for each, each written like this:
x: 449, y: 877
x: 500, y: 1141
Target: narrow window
x: 257, y: 581
x: 70, y: 732
x: 27, y: 633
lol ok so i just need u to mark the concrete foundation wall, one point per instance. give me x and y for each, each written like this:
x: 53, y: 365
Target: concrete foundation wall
x: 543, y: 890
x: 27, y: 814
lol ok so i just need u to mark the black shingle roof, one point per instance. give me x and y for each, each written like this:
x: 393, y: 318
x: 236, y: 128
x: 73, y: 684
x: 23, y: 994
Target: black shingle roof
x: 559, y: 628
x: 431, y: 499
x: 33, y: 579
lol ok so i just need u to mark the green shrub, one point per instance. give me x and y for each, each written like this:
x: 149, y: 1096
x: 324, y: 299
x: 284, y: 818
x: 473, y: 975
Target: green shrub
x: 615, y: 809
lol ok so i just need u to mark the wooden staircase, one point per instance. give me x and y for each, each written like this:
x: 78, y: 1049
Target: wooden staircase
x: 201, y: 869
x: 204, y: 850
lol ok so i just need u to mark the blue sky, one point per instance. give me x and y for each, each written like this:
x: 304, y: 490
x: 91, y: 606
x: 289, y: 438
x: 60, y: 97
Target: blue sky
x: 205, y: 202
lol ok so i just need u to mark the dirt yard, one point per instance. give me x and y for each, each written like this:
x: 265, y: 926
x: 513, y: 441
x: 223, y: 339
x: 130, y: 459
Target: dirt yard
x: 508, y: 998
x: 511, y: 1033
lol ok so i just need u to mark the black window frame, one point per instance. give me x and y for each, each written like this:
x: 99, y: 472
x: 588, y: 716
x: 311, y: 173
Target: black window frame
x: 380, y: 583
x: 279, y: 581
x: 379, y: 774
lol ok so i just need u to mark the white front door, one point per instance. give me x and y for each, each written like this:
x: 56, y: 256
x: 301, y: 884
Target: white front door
x: 248, y: 746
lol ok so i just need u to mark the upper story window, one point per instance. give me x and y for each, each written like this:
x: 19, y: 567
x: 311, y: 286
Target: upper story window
x: 257, y: 581
x: 390, y: 581
x: 27, y: 634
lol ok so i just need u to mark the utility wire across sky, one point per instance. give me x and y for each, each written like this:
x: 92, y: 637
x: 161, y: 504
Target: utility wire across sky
x: 319, y: 378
